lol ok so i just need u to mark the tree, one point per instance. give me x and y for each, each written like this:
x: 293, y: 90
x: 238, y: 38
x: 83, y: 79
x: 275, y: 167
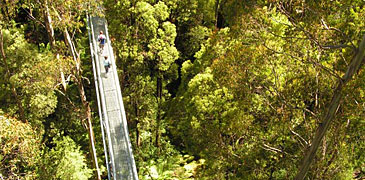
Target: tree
x: 30, y: 75
x: 68, y: 17
x: 20, y: 149
x: 7, y: 70
x: 279, y: 68
x: 64, y: 161
x: 353, y: 67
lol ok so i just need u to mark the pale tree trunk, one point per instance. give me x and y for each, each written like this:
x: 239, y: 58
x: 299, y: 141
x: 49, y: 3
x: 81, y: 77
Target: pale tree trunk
x: 84, y: 101
x: 8, y: 74
x: 354, y: 66
x: 50, y: 32
x: 48, y: 22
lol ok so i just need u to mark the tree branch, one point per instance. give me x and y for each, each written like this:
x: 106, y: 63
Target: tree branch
x: 276, y: 150
x: 340, y: 46
x: 33, y: 18
x: 300, y: 137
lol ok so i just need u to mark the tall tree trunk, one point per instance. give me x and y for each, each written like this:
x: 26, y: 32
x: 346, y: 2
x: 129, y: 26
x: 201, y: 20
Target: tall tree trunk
x: 159, y: 98
x: 84, y: 101
x: 216, y: 9
x: 138, y: 137
x: 48, y: 22
x: 354, y: 66
x: 12, y: 87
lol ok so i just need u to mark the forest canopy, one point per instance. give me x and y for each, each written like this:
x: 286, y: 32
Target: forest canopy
x: 212, y: 89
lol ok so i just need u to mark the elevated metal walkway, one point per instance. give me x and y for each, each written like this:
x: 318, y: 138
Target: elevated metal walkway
x: 117, y: 146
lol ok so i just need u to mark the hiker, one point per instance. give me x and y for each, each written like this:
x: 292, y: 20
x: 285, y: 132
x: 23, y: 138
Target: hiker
x: 101, y: 39
x: 106, y: 64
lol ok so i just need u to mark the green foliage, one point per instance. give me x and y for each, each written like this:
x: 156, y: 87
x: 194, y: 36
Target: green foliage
x: 162, y: 48
x: 170, y: 164
x: 34, y: 74
x: 8, y: 11
x: 197, y: 36
x: 270, y: 68
x: 20, y: 149
x: 42, y: 74
x: 212, y: 89
x: 147, y: 56
x: 64, y: 161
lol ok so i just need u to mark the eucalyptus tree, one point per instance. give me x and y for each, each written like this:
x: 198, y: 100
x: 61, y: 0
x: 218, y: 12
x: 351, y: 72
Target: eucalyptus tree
x: 66, y: 16
x: 20, y: 146
x: 32, y: 75
x: 254, y: 83
x: 145, y: 45
x: 275, y: 65
x: 143, y: 34
x: 7, y: 12
x: 38, y: 77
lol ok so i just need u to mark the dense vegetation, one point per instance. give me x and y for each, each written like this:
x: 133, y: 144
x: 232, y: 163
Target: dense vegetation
x: 213, y: 89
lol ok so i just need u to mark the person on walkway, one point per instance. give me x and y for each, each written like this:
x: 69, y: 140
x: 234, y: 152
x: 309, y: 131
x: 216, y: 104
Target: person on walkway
x: 101, y: 39
x: 106, y: 64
